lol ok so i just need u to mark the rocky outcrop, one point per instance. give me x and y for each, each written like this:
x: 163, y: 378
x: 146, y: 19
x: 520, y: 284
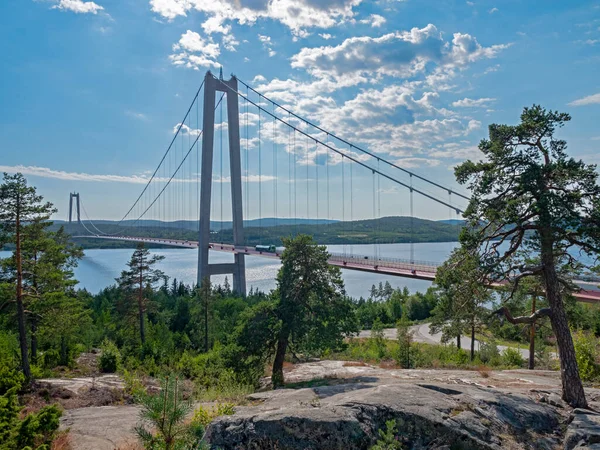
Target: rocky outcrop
x: 348, y: 416
x: 583, y: 431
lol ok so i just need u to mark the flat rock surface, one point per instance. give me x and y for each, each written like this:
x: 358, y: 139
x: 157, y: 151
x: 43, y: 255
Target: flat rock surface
x: 340, y: 405
x: 100, y: 427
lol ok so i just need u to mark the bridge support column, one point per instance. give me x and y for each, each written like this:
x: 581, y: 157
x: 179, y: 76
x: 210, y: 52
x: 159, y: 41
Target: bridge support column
x: 238, y: 268
x: 77, y: 204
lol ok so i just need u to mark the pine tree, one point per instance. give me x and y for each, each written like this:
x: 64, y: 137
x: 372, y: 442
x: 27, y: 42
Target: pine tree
x: 20, y: 206
x: 528, y: 193
x: 139, y: 281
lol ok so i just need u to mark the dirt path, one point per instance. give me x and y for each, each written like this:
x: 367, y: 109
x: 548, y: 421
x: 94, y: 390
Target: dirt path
x: 422, y: 333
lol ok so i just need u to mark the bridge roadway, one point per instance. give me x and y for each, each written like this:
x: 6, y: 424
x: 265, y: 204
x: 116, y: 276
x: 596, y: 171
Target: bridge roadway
x: 420, y: 270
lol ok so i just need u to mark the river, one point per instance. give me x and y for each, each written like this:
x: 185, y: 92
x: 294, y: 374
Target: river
x: 99, y: 268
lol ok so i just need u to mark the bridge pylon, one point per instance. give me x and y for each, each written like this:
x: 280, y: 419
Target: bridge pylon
x: 75, y: 196
x: 238, y: 268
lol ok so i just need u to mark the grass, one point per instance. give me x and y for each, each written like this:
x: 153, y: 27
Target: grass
x: 234, y: 393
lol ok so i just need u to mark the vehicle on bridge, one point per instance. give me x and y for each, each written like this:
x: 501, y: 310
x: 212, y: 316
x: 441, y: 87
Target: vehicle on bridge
x: 266, y: 248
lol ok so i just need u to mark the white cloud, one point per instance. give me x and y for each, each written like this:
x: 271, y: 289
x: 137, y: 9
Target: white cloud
x: 493, y: 10
x: 375, y: 20
x: 79, y: 6
x: 473, y: 102
x: 589, y: 100
x: 326, y: 36
x: 136, y: 115
x: 193, y: 51
x: 267, y: 44
x: 297, y: 15
x: 399, y: 54
x: 258, y: 79
x: 45, y: 172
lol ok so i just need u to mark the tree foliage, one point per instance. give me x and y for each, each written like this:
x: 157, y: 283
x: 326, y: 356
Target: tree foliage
x: 529, y: 197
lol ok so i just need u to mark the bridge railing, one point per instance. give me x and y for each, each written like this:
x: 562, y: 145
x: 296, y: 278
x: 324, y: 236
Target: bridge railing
x: 395, y: 263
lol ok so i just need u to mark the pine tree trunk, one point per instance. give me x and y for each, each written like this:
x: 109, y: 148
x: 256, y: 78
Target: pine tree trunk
x: 458, y: 341
x: 141, y: 309
x: 572, y: 388
x: 472, y: 341
x: 532, y: 339
x: 282, y: 343
x: 20, y: 307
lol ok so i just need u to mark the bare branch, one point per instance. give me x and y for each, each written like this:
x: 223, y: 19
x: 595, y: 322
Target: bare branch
x: 504, y: 312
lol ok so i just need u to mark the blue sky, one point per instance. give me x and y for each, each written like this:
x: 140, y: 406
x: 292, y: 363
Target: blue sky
x: 91, y: 91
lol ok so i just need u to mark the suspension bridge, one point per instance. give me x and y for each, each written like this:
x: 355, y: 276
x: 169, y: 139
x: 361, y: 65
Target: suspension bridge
x: 285, y: 172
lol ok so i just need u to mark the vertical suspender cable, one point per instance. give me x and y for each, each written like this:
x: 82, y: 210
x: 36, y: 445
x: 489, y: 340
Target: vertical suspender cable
x: 274, y: 167
x: 259, y: 176
x: 289, y: 170
x: 343, y: 206
x: 378, y: 210
x: 307, y: 182
x: 374, y: 218
x: 221, y: 166
x: 247, y: 168
x: 327, y: 168
x: 412, y: 224
x: 351, y: 209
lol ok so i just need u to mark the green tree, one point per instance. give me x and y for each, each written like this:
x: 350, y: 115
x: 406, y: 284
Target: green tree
x: 48, y: 262
x: 20, y: 206
x: 461, y: 285
x: 311, y: 306
x: 138, y: 282
x: 529, y: 197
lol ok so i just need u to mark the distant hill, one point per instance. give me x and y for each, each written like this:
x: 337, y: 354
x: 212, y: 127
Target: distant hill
x: 383, y: 230
x: 214, y: 225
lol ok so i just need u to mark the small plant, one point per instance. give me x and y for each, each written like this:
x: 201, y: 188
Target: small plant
x: 165, y: 413
x: 133, y: 384
x: 110, y: 358
x: 484, y: 371
x: 512, y: 357
x: 388, y: 439
x: 204, y: 416
x: 378, y: 338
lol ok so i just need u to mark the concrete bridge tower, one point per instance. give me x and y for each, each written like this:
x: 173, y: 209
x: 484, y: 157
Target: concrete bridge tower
x: 238, y: 267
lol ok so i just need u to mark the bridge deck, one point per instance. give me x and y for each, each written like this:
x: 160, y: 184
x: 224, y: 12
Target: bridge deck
x: 420, y: 270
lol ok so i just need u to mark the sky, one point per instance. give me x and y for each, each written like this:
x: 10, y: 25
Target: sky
x: 91, y: 91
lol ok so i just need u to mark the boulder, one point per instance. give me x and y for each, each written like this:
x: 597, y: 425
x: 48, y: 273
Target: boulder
x: 428, y: 416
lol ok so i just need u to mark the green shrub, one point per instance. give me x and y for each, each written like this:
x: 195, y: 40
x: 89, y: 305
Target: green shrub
x: 133, y: 384
x: 110, y: 358
x: 489, y: 353
x: 388, y: 439
x: 165, y: 414
x: 50, y: 358
x: 586, y: 351
x: 204, y: 416
x: 512, y: 357
x: 35, y: 430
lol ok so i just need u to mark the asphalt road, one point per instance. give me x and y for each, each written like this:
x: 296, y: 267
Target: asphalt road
x: 422, y: 333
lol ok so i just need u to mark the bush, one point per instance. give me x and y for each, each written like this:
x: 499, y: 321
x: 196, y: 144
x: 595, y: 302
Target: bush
x: 36, y: 430
x: 512, y: 357
x: 489, y: 353
x: 110, y: 358
x: 204, y: 416
x: 165, y: 414
x: 586, y: 352
x: 388, y: 439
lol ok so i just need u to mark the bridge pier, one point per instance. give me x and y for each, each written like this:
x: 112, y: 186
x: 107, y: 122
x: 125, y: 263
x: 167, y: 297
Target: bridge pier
x: 238, y: 268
